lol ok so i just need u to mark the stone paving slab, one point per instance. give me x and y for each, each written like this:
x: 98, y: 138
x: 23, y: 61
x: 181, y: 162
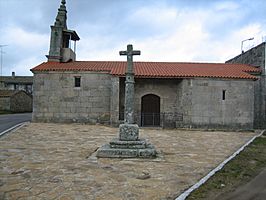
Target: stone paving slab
x: 56, y: 161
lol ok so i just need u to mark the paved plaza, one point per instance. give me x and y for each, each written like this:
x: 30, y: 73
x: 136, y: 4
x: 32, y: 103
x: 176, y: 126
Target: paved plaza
x: 57, y: 161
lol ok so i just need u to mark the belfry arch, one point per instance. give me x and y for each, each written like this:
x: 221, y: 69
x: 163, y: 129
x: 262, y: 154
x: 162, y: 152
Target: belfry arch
x: 150, y: 110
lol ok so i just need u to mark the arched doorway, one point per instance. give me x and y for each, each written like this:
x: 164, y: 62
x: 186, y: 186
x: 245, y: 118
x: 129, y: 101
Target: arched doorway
x: 150, y: 110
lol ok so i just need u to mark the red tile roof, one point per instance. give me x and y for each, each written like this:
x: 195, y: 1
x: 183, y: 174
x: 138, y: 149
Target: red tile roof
x: 157, y: 69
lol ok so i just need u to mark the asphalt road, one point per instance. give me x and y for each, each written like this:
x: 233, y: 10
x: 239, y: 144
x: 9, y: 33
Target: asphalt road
x: 10, y: 120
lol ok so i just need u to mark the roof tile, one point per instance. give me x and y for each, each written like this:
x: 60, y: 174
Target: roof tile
x: 157, y: 69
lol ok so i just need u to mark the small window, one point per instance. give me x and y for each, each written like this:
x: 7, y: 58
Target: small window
x: 16, y: 86
x: 77, y: 81
x: 223, y: 96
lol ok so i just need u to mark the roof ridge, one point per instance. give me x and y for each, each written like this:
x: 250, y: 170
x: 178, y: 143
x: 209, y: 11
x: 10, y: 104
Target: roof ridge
x: 166, y: 62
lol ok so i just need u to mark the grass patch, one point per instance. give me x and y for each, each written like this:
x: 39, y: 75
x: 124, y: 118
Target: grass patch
x: 240, y: 170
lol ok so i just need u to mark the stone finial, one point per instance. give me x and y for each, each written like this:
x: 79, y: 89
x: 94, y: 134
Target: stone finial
x: 63, y: 5
x: 61, y: 15
x: 56, y: 41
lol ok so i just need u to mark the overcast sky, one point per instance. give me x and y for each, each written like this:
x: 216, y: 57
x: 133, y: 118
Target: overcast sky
x: 164, y: 30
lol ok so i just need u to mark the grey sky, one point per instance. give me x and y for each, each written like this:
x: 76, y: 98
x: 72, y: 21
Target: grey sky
x: 164, y: 30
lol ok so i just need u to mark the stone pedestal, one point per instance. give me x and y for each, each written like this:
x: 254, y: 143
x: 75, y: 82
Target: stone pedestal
x: 128, y: 132
x: 128, y: 145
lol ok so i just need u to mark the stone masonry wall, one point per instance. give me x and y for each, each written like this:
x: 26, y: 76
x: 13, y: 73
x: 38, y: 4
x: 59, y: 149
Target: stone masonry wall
x: 199, y: 101
x: 55, y: 99
x: 169, y: 93
x: 101, y: 97
x: 256, y: 57
x: 203, y: 105
x: 167, y: 89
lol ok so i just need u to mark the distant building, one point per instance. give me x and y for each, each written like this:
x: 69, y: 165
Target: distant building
x: 256, y: 56
x: 167, y: 94
x: 16, y: 83
x: 15, y: 101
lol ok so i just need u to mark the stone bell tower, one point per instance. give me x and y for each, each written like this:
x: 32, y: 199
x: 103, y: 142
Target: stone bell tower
x: 62, y: 48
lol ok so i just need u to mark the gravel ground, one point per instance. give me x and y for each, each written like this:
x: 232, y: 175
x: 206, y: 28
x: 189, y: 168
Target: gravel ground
x: 56, y: 161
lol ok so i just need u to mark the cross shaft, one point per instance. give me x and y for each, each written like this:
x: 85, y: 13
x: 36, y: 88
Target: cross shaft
x: 129, y: 84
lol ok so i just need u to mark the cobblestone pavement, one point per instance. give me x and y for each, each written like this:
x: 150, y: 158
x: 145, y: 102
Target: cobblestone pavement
x: 55, y: 161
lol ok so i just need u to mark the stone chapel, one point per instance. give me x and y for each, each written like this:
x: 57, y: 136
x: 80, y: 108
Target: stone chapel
x: 167, y: 94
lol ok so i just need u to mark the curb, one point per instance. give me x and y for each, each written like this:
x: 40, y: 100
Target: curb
x: 16, y: 127
x: 187, y: 192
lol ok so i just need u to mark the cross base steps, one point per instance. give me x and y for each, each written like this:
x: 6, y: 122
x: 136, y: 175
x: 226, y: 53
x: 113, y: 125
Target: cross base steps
x: 129, y: 150
x: 128, y: 145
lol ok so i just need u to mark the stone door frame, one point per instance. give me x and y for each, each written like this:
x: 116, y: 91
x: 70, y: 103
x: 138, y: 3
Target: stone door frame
x: 150, y: 116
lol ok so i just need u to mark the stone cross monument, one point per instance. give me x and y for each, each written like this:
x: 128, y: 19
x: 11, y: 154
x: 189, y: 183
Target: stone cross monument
x: 129, y: 130
x: 128, y: 145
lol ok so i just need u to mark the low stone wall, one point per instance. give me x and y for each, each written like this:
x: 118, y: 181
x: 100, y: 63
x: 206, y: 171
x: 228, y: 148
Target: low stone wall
x: 21, y: 102
x: 18, y: 102
x: 5, y: 103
